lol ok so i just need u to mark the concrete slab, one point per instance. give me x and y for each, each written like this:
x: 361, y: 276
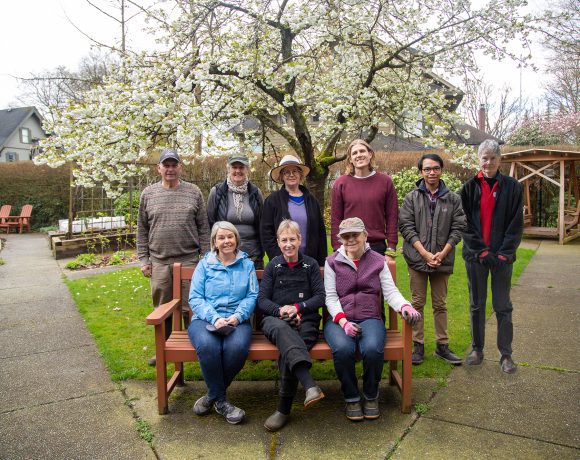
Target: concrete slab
x: 98, y: 426
x: 46, y: 309
x: 436, y: 439
x: 545, y: 296
x: 21, y: 337
x: 314, y: 433
x: 53, y: 376
x: 537, y: 344
x: 45, y: 291
x: 532, y: 403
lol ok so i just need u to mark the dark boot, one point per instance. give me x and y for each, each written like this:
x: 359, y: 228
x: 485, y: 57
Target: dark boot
x: 442, y: 351
x: 507, y: 364
x: 475, y: 358
x: 418, y: 352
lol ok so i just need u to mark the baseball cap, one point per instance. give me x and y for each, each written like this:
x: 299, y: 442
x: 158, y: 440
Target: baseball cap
x: 239, y: 159
x: 351, y: 225
x: 169, y: 154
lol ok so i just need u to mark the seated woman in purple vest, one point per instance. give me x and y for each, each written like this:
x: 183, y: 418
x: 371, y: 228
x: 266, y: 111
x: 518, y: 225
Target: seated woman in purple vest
x: 354, y: 277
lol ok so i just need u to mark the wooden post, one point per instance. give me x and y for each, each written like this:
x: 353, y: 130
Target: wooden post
x: 70, y: 203
x: 561, y: 202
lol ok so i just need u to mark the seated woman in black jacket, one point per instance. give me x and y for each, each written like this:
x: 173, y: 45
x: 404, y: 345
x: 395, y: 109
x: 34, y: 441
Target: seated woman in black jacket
x: 291, y: 293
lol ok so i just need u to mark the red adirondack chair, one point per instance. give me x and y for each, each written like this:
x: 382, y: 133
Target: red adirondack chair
x: 21, y: 221
x: 4, y: 212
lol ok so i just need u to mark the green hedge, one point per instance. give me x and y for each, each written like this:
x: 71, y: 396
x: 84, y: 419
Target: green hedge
x: 46, y: 189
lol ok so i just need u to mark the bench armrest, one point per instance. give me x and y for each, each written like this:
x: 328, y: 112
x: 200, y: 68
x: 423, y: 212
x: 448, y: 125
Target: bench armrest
x: 163, y: 312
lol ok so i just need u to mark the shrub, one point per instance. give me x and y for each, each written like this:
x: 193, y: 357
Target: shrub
x: 405, y: 181
x: 83, y: 260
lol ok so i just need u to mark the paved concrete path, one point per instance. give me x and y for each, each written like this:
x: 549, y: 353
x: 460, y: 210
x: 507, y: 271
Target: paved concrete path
x: 535, y: 413
x: 56, y: 397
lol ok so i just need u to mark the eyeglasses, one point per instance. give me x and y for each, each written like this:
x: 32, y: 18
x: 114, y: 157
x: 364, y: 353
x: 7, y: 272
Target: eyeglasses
x: 434, y: 169
x: 294, y: 172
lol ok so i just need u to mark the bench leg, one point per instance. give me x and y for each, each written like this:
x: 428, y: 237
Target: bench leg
x: 180, y: 381
x: 161, y: 370
x: 392, y: 369
x: 407, y: 378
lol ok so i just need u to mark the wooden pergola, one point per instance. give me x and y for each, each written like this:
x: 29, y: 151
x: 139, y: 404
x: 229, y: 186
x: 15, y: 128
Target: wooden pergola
x: 559, y: 168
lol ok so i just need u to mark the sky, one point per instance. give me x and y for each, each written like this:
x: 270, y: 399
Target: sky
x: 37, y: 36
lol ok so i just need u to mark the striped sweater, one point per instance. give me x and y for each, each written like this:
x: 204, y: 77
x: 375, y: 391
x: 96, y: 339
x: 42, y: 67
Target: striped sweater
x: 172, y: 225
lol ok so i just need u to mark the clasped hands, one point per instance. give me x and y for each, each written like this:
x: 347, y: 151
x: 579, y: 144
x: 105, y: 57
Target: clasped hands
x: 433, y: 260
x: 289, y: 313
x: 229, y: 321
x: 489, y: 259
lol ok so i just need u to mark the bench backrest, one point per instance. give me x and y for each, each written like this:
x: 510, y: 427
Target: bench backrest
x: 182, y: 281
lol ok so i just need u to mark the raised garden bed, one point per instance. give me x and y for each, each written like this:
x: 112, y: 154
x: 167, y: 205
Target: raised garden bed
x: 112, y: 240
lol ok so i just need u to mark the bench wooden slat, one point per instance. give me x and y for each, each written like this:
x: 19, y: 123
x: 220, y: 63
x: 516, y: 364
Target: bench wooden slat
x: 178, y: 349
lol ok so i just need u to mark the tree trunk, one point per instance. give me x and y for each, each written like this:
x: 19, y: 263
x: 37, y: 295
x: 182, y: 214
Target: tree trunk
x: 317, y: 186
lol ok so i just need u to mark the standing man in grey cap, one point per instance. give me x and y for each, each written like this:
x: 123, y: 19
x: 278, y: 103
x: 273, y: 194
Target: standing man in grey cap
x: 240, y: 202
x: 172, y: 227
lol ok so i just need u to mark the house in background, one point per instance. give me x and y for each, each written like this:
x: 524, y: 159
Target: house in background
x: 20, y: 131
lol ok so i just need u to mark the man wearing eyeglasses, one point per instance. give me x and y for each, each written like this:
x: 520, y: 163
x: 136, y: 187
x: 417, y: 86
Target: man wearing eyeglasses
x: 493, y: 205
x: 431, y: 221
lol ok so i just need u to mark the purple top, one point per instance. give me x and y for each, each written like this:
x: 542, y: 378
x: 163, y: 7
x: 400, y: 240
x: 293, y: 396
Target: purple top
x: 297, y: 212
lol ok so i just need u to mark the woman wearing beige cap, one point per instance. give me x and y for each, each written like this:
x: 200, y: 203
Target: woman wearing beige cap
x: 293, y: 201
x: 354, y: 278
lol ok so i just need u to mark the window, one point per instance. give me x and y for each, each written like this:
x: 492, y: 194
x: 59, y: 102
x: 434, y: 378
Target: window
x: 11, y: 156
x: 25, y: 135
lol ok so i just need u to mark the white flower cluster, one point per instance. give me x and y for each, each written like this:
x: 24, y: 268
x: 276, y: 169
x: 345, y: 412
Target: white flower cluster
x: 350, y: 65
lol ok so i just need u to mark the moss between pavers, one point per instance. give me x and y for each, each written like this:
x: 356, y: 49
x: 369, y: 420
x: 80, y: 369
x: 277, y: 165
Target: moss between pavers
x: 319, y: 432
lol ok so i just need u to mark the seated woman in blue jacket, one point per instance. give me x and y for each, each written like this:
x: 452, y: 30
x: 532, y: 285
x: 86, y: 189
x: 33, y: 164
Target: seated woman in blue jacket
x: 223, y: 295
x: 291, y: 293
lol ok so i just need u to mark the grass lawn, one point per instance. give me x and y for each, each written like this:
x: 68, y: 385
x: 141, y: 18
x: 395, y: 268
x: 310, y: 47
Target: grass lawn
x: 114, y: 306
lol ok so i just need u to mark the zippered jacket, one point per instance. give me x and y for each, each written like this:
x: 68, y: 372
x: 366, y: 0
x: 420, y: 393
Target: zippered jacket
x: 416, y: 224
x: 219, y: 291
x: 507, y: 222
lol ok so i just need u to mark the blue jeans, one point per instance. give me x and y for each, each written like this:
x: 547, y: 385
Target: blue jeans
x: 370, y: 343
x: 220, y: 357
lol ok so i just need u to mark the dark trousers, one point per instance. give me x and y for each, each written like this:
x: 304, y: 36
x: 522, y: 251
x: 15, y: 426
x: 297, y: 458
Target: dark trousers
x: 293, y: 345
x: 501, y: 278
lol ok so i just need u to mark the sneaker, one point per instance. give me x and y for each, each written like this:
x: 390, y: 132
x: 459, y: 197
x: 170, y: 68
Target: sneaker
x: 442, y: 351
x: 354, y: 411
x: 475, y: 358
x: 203, y: 405
x: 507, y: 364
x: 418, y: 352
x: 231, y: 413
x: 371, y: 409
x: 313, y: 395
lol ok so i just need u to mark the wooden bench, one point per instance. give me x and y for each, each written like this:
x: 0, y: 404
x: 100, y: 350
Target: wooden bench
x: 177, y: 349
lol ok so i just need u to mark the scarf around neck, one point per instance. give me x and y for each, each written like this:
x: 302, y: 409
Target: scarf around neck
x: 239, y: 191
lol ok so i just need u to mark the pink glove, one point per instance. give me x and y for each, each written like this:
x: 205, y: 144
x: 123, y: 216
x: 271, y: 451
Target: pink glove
x: 410, y: 315
x: 351, y: 329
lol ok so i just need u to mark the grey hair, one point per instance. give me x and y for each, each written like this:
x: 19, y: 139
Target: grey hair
x: 288, y: 224
x: 223, y: 225
x: 488, y: 145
